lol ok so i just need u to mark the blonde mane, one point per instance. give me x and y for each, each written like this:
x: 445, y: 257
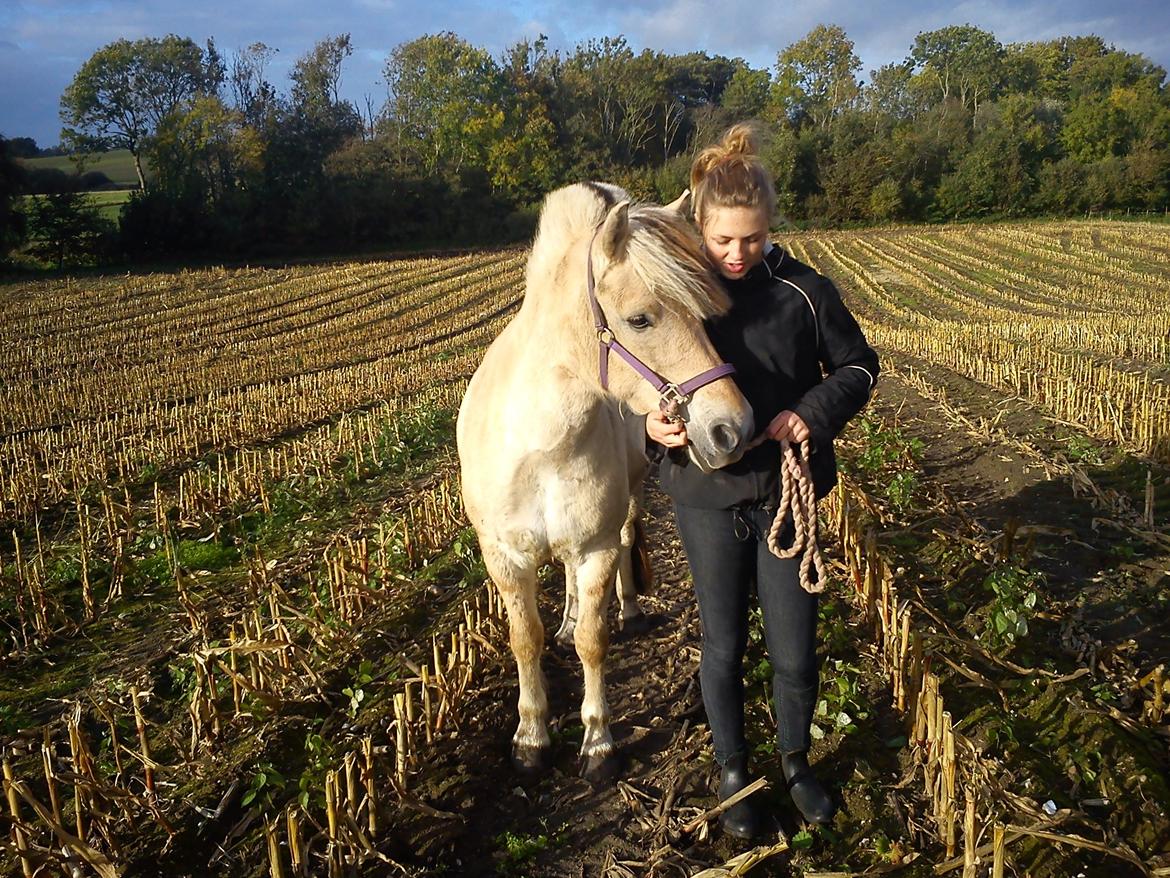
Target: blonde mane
x: 663, y: 249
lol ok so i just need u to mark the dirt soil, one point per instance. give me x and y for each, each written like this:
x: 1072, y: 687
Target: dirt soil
x: 661, y: 732
x: 1100, y: 607
x: 1054, y: 714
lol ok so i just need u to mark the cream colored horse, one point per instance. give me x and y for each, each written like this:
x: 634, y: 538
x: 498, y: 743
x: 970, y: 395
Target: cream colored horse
x: 546, y: 460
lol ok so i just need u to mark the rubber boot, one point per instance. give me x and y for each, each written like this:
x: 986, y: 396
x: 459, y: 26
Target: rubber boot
x: 810, y: 798
x: 741, y: 819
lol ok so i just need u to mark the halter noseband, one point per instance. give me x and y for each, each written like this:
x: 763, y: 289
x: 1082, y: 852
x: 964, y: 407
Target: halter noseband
x: 673, y: 396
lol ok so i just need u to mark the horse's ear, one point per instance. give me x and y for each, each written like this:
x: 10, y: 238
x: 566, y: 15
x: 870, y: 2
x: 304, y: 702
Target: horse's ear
x: 680, y: 203
x: 616, y: 232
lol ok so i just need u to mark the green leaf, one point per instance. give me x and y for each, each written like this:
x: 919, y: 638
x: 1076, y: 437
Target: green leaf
x: 802, y: 841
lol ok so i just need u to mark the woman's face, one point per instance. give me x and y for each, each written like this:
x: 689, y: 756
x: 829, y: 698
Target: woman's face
x: 734, y: 238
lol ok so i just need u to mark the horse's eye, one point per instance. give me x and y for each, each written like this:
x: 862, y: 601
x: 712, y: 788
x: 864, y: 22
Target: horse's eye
x: 639, y: 321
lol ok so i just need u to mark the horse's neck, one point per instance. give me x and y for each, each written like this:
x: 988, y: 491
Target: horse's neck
x: 555, y: 322
x: 555, y: 349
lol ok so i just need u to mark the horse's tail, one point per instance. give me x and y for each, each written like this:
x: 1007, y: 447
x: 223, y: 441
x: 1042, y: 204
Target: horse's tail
x: 643, y: 573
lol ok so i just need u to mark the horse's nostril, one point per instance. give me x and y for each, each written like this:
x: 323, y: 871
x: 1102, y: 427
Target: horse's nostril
x: 725, y: 438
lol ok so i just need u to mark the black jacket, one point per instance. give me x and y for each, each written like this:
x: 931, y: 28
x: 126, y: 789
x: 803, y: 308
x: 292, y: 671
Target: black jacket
x: 787, y: 323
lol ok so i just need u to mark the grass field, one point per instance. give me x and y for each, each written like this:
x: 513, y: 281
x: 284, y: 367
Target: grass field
x: 108, y: 202
x: 245, y: 629
x: 117, y: 164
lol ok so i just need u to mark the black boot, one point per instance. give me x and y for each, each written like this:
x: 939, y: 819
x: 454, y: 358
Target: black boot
x: 808, y: 795
x: 741, y: 819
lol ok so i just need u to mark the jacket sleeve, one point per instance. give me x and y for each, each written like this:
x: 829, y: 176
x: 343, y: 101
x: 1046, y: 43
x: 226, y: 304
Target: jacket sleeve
x: 850, y: 366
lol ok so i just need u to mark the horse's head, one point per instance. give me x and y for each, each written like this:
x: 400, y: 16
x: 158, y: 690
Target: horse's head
x: 655, y: 288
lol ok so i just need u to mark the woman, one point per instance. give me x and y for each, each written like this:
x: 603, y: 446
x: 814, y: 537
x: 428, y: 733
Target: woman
x: 804, y: 365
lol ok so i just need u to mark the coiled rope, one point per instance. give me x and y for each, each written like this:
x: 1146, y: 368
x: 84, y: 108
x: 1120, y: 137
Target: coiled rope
x: 798, y: 501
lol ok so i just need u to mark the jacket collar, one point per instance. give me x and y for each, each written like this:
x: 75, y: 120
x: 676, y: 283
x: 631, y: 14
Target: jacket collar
x: 763, y: 271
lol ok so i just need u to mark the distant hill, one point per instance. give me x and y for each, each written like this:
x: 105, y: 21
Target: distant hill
x: 117, y: 164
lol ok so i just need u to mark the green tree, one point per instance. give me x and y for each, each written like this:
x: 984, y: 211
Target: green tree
x: 126, y: 89
x: 746, y: 94
x: 1095, y: 128
x: 1038, y: 68
x: 990, y: 179
x: 1060, y: 188
x: 594, y: 79
x: 960, y: 61
x: 1147, y: 170
x: 252, y: 94
x: 207, y: 150
x: 23, y: 147
x: 816, y: 78
x: 523, y: 159
x: 444, y: 102
x: 65, y: 227
x: 889, y: 97
x: 316, y: 87
x: 12, y: 219
x: 852, y: 165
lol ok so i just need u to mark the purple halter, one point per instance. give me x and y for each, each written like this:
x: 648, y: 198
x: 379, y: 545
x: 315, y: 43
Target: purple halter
x: 673, y: 395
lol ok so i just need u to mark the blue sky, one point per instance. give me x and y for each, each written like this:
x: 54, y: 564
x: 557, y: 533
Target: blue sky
x: 43, y: 42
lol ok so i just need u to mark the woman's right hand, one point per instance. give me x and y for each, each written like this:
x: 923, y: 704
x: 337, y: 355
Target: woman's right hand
x: 672, y: 434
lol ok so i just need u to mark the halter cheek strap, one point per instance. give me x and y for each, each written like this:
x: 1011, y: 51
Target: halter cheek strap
x: 673, y: 395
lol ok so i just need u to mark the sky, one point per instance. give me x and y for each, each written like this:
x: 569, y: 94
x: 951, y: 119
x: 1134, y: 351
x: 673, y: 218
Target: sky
x: 44, y: 42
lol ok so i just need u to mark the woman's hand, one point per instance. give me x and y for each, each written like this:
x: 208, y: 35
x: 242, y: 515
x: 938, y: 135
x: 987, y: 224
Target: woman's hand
x: 788, y: 425
x: 672, y: 434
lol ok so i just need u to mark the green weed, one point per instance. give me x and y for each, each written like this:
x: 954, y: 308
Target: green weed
x: 360, y: 677
x: 1082, y: 449
x: 519, y: 849
x: 266, y: 783
x: 1013, y: 605
x: 189, y: 556
x: 901, y: 490
x: 890, y: 460
x: 841, y: 701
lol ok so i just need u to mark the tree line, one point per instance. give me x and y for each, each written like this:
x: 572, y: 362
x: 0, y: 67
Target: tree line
x: 465, y: 144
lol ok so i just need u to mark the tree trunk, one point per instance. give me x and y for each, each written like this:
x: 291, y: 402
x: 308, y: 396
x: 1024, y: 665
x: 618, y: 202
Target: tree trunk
x: 138, y: 168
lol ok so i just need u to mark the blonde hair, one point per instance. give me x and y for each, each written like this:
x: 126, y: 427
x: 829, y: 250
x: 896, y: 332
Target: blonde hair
x: 731, y: 174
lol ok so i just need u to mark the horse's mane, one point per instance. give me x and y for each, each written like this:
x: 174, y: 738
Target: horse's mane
x: 663, y: 250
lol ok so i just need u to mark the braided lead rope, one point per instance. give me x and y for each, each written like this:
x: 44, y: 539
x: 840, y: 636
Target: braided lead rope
x: 797, y: 499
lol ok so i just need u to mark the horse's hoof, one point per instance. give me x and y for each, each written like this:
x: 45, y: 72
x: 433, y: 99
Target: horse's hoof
x: 636, y: 626
x: 531, y: 761
x: 601, y: 771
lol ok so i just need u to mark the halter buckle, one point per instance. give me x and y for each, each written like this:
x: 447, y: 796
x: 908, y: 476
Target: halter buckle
x: 605, y: 336
x: 671, y: 399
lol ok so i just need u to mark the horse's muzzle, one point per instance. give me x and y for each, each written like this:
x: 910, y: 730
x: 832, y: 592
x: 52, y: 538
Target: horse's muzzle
x: 719, y: 445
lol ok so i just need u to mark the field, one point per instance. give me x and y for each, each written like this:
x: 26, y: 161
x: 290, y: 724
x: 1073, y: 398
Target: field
x: 244, y: 629
x: 108, y: 202
x: 117, y: 164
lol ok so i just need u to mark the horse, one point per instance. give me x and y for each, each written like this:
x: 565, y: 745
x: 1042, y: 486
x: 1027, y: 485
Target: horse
x: 548, y: 466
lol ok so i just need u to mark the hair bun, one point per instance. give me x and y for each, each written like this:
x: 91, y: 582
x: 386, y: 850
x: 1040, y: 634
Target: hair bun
x: 731, y: 174
x: 741, y: 139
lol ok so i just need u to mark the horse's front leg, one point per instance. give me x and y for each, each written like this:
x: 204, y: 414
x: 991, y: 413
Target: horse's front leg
x: 595, y: 581
x: 517, y: 586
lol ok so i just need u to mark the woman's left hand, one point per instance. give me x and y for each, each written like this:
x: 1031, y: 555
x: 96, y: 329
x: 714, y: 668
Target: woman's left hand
x: 788, y: 425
